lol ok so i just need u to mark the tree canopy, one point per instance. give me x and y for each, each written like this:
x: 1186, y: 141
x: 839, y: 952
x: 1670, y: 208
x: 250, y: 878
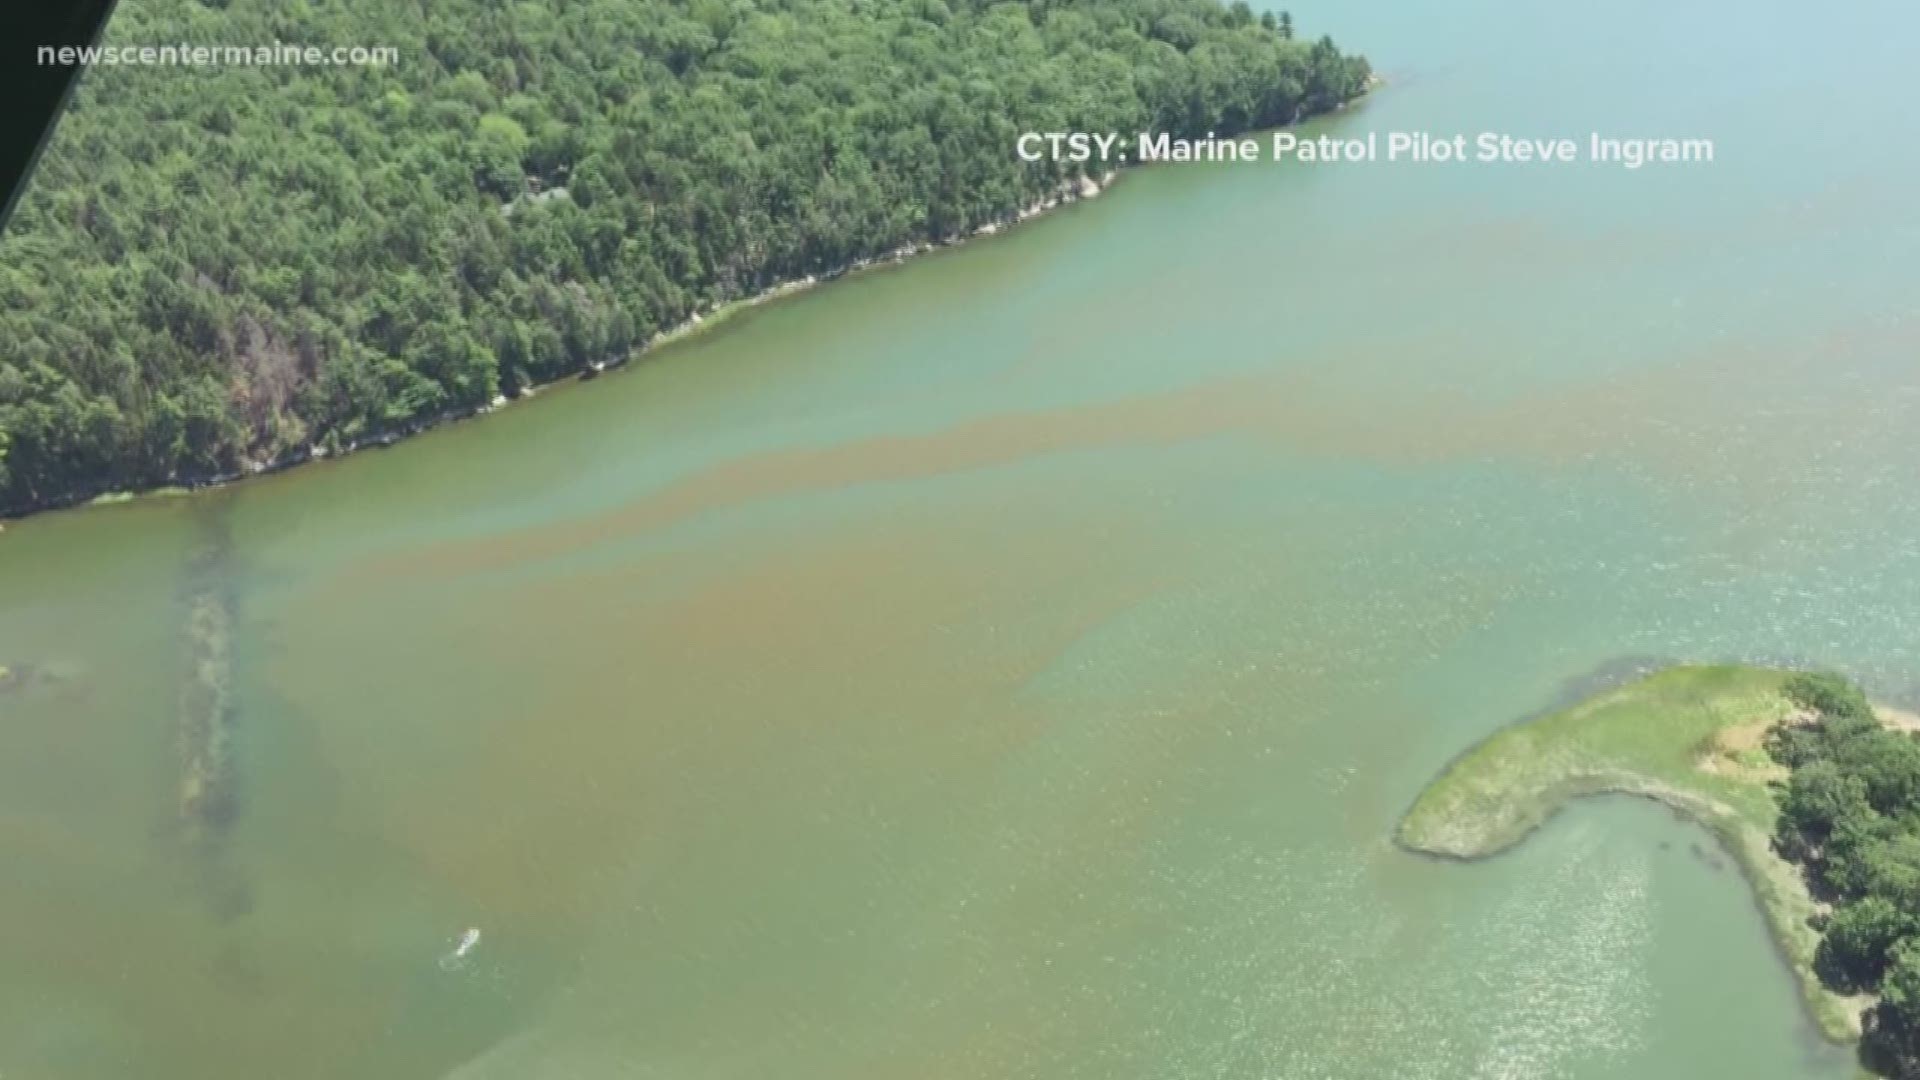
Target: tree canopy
x: 217, y: 266
x: 1850, y: 812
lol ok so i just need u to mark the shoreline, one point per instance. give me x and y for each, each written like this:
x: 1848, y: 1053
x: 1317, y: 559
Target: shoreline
x: 1076, y: 189
x: 1775, y: 887
x: 1480, y: 806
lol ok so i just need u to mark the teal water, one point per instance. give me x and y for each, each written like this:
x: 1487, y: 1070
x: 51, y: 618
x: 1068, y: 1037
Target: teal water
x: 1013, y: 664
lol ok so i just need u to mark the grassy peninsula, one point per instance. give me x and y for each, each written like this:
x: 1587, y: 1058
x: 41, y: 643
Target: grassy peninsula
x: 1694, y: 738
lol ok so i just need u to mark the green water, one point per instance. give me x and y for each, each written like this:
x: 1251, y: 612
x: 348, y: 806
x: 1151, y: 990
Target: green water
x: 1012, y: 665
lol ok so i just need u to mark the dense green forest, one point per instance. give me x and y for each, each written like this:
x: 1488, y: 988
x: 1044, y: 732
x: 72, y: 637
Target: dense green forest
x: 219, y: 267
x: 1851, y: 814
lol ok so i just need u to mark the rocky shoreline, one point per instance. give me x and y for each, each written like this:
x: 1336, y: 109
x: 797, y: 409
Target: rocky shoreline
x: 1073, y: 190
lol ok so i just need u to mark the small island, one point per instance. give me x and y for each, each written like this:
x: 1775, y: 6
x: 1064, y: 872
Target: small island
x: 1815, y: 792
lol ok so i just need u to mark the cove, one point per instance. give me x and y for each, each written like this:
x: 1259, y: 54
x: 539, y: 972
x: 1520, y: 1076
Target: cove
x: 1015, y: 664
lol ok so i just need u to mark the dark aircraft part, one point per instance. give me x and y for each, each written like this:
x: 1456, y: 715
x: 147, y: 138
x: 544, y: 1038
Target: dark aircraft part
x: 33, y: 84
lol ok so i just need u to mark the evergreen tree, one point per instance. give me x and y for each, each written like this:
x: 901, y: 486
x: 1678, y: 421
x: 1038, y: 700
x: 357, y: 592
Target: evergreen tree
x: 218, y: 266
